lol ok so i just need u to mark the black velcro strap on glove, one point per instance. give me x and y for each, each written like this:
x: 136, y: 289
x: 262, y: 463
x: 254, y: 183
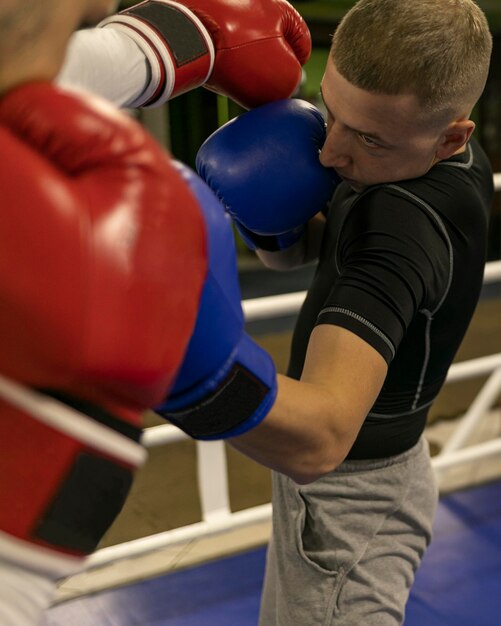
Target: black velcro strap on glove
x: 87, y: 502
x: 232, y: 403
x: 92, y: 492
x: 175, y: 27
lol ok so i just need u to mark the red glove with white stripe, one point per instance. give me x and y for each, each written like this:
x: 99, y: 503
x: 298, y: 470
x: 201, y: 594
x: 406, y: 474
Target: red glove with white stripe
x: 249, y: 50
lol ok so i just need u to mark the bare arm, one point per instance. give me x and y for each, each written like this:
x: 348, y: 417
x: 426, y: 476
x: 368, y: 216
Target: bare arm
x: 315, y: 421
x: 306, y: 250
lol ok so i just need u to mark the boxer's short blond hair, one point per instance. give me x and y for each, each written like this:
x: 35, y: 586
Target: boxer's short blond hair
x: 438, y: 50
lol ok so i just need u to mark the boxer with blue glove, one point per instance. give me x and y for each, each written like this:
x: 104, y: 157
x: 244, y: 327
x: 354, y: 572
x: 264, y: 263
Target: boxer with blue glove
x: 399, y: 274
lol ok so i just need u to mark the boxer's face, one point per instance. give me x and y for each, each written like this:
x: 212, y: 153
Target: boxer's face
x: 374, y: 138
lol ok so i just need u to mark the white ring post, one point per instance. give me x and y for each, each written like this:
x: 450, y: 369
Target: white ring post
x: 212, y: 471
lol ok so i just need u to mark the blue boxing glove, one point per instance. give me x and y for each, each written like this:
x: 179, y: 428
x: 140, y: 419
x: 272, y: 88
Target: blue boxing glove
x: 264, y: 167
x: 227, y: 383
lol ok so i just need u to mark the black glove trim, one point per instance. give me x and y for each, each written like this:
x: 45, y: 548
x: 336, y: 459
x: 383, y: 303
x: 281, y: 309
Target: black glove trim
x: 233, y: 402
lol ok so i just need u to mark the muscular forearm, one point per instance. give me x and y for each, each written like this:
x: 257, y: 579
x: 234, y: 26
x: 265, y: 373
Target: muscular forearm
x: 314, y: 422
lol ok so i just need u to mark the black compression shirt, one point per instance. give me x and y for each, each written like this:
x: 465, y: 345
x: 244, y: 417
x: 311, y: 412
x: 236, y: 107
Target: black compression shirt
x: 401, y: 266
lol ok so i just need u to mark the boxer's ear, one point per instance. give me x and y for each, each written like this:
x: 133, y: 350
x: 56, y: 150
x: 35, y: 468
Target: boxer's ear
x: 454, y: 137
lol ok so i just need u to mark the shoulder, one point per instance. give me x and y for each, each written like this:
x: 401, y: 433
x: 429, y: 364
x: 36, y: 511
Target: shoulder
x: 397, y: 209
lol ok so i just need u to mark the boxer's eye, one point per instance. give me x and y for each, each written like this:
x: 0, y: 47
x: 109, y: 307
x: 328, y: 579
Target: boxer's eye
x: 368, y: 141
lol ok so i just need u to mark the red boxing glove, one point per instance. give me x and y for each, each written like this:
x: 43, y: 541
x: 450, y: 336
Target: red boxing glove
x: 102, y: 265
x: 107, y: 283
x: 249, y: 50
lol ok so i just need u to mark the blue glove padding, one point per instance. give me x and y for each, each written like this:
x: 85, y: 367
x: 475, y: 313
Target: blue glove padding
x: 227, y: 383
x: 264, y: 167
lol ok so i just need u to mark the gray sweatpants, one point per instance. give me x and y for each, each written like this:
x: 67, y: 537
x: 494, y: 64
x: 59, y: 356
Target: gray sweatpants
x: 344, y: 549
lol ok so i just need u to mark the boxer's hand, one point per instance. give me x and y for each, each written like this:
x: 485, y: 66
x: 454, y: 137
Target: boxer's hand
x: 250, y: 51
x: 227, y: 383
x: 264, y: 167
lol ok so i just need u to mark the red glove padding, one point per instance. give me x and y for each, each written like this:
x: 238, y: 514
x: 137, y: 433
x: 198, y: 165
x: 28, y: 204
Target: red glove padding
x: 250, y: 51
x: 103, y: 251
x: 102, y: 265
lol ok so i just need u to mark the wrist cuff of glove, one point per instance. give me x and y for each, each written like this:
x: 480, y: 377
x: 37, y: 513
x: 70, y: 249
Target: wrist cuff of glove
x: 269, y: 243
x: 177, y: 45
x: 232, y: 402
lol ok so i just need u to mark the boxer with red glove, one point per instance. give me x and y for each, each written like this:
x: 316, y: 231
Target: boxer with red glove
x: 102, y: 265
x: 251, y: 52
